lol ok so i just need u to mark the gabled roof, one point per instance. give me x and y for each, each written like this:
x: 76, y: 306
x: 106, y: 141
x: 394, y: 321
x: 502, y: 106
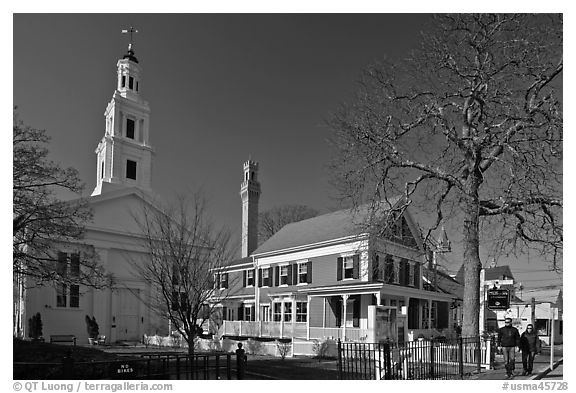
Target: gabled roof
x: 331, y: 226
x: 490, y: 274
x: 498, y: 273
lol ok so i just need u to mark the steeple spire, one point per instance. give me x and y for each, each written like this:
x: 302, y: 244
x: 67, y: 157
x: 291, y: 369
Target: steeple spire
x: 130, y: 54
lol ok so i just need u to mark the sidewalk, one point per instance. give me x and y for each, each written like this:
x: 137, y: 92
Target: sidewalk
x: 541, y: 366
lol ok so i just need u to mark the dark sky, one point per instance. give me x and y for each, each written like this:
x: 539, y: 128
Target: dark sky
x: 221, y: 87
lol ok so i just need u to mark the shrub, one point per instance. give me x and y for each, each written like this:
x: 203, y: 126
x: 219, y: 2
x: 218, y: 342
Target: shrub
x: 254, y: 347
x: 320, y: 349
x: 35, y: 326
x: 92, y: 327
x: 283, y: 347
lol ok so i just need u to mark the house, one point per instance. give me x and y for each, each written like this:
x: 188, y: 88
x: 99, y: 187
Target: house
x: 316, y: 278
x: 123, y: 185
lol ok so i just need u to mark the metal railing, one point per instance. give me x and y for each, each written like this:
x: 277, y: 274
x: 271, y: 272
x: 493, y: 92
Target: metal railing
x: 134, y: 366
x: 420, y: 359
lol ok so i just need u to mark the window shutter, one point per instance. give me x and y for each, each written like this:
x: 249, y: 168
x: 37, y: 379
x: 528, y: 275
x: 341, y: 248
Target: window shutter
x: 402, y: 272
x: 244, y: 279
x: 294, y: 274
x: 253, y: 314
x: 240, y: 313
x: 356, y: 312
x: 406, y: 272
x: 259, y: 277
x: 217, y: 281
x: 375, y: 267
x: 417, y: 275
x: 339, y: 268
x: 276, y: 276
x: 289, y: 278
x: 356, y: 266
x: 254, y: 279
x: 309, y: 272
x: 224, y: 313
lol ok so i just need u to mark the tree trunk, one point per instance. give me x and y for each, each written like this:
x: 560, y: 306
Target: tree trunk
x: 191, y: 345
x: 472, y: 265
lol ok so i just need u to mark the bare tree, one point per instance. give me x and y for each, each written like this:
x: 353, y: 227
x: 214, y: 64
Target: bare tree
x: 468, y: 128
x: 42, y: 222
x: 183, y: 253
x: 271, y: 221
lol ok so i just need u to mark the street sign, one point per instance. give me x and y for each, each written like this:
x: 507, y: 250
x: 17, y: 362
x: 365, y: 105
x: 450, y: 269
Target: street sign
x: 498, y: 299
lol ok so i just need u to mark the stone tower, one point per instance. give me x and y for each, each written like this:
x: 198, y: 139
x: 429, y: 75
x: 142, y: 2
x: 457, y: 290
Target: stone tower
x: 250, y: 194
x: 124, y: 155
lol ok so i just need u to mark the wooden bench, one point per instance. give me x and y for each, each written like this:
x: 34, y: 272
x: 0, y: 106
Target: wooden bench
x: 63, y: 338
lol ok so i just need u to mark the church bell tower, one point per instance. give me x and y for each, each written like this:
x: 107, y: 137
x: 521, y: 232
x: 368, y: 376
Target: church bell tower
x: 124, y: 155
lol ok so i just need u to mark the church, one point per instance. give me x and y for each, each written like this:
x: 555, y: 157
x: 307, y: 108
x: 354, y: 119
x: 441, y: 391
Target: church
x: 123, y: 186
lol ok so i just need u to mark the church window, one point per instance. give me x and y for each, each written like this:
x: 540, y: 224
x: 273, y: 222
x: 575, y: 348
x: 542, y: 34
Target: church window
x: 131, y: 83
x: 130, y: 127
x: 123, y: 80
x: 131, y: 169
x: 68, y: 267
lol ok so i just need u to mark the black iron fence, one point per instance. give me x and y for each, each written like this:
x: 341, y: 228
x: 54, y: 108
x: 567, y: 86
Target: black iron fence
x: 135, y: 366
x: 422, y: 359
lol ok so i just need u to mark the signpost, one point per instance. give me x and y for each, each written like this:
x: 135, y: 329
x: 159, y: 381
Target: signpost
x: 498, y: 299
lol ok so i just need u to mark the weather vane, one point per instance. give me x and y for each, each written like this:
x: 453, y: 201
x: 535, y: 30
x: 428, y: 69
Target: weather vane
x: 131, y: 30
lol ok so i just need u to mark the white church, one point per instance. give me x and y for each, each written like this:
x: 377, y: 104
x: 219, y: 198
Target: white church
x: 124, y: 169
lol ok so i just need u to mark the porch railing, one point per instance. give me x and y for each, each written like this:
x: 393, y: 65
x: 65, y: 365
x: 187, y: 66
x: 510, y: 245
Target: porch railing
x: 289, y: 330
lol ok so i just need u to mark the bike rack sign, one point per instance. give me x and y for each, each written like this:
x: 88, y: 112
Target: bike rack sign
x: 498, y: 299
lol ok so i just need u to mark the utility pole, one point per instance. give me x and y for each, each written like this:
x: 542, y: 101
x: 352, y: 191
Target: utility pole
x: 551, y: 337
x: 533, y: 312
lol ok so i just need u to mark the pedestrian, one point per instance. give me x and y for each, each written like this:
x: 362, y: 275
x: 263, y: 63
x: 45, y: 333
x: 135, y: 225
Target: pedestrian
x: 530, y: 346
x: 508, y: 341
x: 241, y: 359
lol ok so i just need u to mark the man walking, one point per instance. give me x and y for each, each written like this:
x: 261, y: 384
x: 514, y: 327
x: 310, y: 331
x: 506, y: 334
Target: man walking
x: 530, y: 346
x: 508, y: 340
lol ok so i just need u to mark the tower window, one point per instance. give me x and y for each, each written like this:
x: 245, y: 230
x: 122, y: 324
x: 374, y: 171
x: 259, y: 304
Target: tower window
x: 136, y: 86
x: 130, y: 128
x: 131, y: 169
x: 123, y: 80
x: 102, y: 170
x: 130, y: 82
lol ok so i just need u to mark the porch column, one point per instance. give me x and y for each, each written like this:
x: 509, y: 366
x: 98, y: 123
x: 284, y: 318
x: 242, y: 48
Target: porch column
x: 308, y: 319
x: 430, y: 316
x: 407, y: 304
x: 293, y: 317
x: 281, y: 317
x: 378, y: 299
x: 343, y: 318
x: 323, y: 313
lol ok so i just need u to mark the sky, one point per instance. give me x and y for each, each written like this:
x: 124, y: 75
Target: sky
x: 222, y: 88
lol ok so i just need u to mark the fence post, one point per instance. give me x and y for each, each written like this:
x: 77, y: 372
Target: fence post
x: 432, y: 359
x: 461, y: 357
x: 479, y: 354
x: 68, y: 366
x: 228, y: 366
x: 217, y: 366
x: 339, y: 359
x: 387, y: 362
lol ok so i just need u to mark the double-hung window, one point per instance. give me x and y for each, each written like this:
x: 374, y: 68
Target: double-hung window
x: 250, y: 278
x: 301, y: 311
x: 223, y: 280
x: 277, y: 315
x: 302, y: 273
x: 287, y: 311
x: 348, y: 267
x: 266, y: 277
x: 284, y: 275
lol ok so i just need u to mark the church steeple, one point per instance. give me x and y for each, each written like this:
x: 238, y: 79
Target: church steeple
x: 124, y: 155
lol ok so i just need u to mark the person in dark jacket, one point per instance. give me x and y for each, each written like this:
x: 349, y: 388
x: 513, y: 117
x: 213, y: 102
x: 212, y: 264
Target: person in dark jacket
x: 508, y: 340
x: 530, y: 346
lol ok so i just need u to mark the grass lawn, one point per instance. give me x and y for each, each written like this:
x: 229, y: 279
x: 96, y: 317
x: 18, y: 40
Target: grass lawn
x: 296, y: 368
x: 39, y: 352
